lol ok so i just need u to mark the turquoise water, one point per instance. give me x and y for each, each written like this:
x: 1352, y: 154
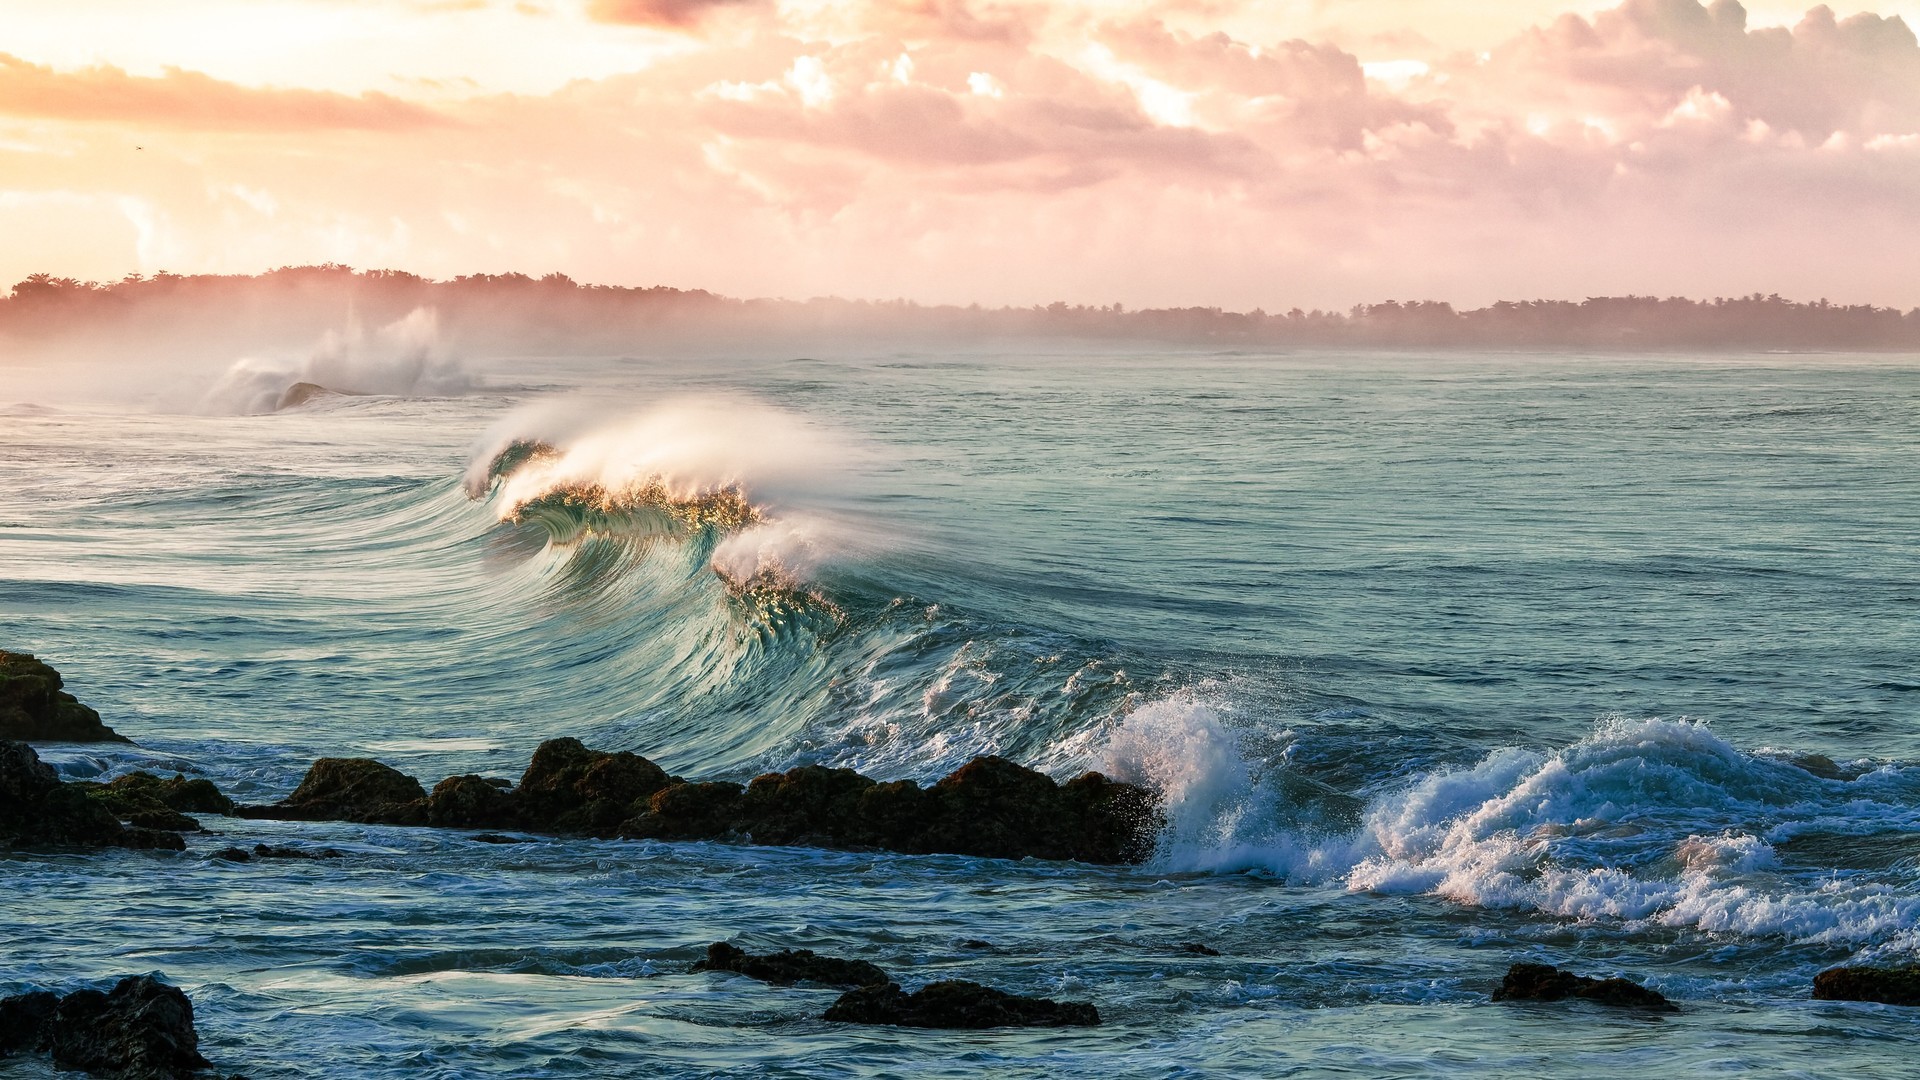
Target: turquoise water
x: 1441, y: 662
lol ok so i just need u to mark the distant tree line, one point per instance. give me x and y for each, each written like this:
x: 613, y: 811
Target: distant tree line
x: 518, y: 312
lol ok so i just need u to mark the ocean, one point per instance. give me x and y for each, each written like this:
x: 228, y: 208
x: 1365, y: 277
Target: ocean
x: 1439, y: 662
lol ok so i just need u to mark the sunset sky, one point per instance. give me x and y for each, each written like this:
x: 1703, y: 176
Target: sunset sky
x: 1294, y: 152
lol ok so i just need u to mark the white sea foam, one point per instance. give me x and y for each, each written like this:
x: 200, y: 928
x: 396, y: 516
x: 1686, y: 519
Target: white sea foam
x: 405, y: 357
x: 692, y: 446
x: 1654, y: 821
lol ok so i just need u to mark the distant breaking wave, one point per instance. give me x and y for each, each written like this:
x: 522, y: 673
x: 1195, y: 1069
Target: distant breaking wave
x: 405, y: 357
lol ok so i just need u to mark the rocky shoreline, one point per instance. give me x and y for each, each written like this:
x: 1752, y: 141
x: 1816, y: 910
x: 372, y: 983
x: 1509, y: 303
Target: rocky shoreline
x: 990, y: 807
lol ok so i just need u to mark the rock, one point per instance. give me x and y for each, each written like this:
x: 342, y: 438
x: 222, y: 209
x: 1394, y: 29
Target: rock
x: 1539, y: 982
x: 195, y: 796
x: 994, y: 808
x: 470, y: 802
x: 569, y: 788
x: 142, y: 1028
x: 37, y: 810
x: 989, y: 807
x: 819, y: 807
x: 957, y: 1004
x: 702, y: 811
x: 22, y: 1018
x: 789, y: 966
x: 145, y: 800
x: 1886, y: 985
x: 263, y: 851
x: 350, y: 789
x: 1198, y: 948
x: 34, y: 708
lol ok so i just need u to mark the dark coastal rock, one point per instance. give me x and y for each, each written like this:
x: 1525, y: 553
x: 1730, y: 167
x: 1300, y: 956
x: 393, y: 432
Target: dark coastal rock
x: 569, y: 788
x: 350, y: 789
x: 1886, y: 985
x: 821, y: 807
x: 957, y: 1004
x: 790, y: 966
x: 148, y: 802
x: 989, y: 807
x: 195, y: 796
x: 22, y: 1018
x: 470, y: 802
x: 142, y: 1028
x: 37, y: 810
x: 33, y: 708
x: 700, y: 811
x: 1540, y: 982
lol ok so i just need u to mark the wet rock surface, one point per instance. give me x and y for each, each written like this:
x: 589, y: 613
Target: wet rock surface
x: 990, y: 807
x: 1541, y: 982
x: 350, y: 789
x: 142, y: 1029
x: 569, y: 788
x: 956, y: 1003
x: 38, y: 810
x: 791, y: 966
x: 1886, y: 985
x: 34, y: 708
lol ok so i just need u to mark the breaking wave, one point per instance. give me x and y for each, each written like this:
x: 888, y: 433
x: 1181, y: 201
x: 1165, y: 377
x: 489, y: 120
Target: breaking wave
x: 405, y: 357
x: 1645, y: 822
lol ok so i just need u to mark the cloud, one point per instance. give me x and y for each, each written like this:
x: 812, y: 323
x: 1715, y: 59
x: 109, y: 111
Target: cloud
x: 960, y: 152
x: 664, y: 13
x: 186, y: 99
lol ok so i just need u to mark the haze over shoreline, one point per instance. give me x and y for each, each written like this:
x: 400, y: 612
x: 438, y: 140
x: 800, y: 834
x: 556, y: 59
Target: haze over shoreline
x: 513, y: 313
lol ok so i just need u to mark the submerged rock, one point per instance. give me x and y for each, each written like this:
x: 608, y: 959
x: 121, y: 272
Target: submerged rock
x: 140, y: 1030
x: 790, y: 966
x: 33, y: 708
x: 957, y: 1004
x: 263, y: 851
x: 1540, y: 982
x: 1886, y: 985
x: 37, y: 810
x: 350, y: 789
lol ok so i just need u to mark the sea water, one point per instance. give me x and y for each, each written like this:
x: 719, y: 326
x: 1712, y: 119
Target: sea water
x: 1439, y: 662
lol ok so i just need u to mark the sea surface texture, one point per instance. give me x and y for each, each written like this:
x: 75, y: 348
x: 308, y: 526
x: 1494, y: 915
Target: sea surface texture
x: 1440, y: 663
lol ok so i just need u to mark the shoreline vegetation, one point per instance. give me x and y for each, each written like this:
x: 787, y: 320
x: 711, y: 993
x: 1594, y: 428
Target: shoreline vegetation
x: 497, y: 314
x: 990, y: 807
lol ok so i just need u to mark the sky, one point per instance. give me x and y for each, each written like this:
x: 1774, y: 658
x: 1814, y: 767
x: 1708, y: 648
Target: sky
x: 1312, y: 153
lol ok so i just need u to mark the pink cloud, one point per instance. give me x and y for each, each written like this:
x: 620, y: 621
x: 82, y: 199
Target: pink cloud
x: 957, y: 153
x: 186, y: 99
x: 668, y: 13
